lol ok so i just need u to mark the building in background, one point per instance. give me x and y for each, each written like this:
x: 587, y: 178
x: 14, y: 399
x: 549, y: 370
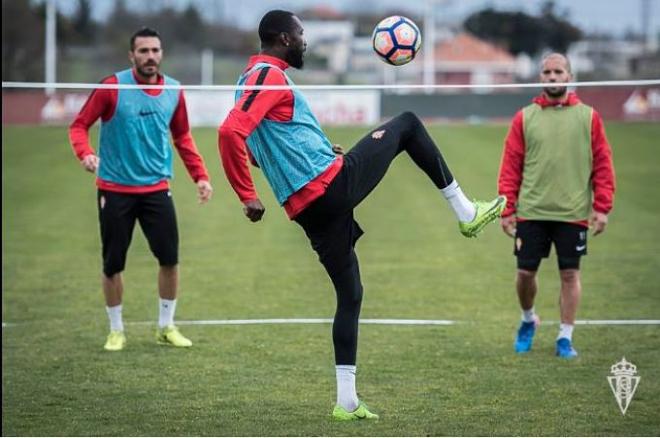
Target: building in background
x: 604, y: 58
x: 465, y: 59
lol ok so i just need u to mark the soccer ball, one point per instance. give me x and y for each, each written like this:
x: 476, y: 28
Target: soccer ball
x: 396, y: 40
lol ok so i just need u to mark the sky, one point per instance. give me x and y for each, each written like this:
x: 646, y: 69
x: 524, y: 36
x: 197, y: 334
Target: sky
x: 613, y: 16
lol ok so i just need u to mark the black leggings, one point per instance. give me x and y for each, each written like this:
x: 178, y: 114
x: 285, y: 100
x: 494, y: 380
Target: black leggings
x: 332, y: 230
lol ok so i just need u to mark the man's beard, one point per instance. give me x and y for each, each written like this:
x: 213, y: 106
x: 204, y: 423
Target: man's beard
x: 147, y: 74
x: 555, y: 91
x: 295, y: 58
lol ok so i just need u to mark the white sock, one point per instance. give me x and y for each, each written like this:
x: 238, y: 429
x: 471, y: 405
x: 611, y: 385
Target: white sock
x: 114, y: 313
x: 565, y: 331
x: 346, y: 394
x: 166, y: 312
x: 462, y: 206
x: 528, y: 315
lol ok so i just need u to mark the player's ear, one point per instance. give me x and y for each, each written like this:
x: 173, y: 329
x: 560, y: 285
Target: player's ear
x: 284, y: 39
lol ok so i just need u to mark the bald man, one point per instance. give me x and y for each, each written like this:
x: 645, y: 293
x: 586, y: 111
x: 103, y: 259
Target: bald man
x: 558, y: 178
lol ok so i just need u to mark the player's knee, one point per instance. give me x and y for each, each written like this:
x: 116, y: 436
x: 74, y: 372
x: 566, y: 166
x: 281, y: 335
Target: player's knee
x: 110, y: 269
x: 526, y: 274
x: 525, y: 278
x: 569, y: 275
x: 409, y: 118
x: 356, y: 298
x: 349, y: 295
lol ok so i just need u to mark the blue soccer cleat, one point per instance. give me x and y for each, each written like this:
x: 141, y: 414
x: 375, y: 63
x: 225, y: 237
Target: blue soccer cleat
x: 565, y: 349
x: 525, y: 336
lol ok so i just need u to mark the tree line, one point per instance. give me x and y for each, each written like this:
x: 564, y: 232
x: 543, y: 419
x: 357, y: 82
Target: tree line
x: 23, y: 27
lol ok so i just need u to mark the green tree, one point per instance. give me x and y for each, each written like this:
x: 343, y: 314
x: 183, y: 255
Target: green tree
x: 23, y: 28
x: 22, y: 38
x: 83, y: 25
x: 519, y: 32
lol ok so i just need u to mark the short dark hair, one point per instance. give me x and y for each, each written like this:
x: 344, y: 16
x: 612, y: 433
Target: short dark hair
x: 144, y: 32
x: 273, y: 24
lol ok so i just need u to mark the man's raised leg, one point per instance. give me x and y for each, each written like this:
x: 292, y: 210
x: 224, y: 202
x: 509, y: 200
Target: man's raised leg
x: 367, y: 163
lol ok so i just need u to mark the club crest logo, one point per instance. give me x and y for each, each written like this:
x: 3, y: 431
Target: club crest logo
x: 623, y: 380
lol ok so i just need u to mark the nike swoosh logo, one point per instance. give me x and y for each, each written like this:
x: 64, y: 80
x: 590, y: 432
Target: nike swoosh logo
x: 580, y: 248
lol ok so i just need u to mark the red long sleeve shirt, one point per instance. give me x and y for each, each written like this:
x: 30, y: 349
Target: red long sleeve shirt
x: 513, y: 158
x: 103, y: 102
x: 253, y: 107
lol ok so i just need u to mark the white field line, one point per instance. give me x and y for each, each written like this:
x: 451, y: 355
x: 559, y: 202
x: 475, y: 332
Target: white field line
x: 87, y: 86
x: 424, y: 322
x: 616, y: 322
x: 391, y: 321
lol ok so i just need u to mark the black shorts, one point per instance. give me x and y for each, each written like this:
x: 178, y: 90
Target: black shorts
x: 534, y: 239
x: 117, y: 215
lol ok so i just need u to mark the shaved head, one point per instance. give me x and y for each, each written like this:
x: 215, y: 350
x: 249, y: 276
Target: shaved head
x: 556, y: 56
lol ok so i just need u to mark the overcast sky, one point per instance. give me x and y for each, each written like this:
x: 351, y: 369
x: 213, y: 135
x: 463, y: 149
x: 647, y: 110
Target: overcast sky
x: 591, y: 15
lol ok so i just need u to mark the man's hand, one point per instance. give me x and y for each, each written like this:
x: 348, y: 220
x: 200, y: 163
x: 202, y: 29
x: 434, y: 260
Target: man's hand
x: 337, y: 149
x: 90, y: 163
x: 509, y: 225
x: 597, y: 222
x: 254, y: 210
x: 204, y: 191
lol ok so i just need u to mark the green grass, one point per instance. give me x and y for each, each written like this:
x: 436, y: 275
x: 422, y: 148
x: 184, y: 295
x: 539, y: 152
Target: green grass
x: 279, y: 380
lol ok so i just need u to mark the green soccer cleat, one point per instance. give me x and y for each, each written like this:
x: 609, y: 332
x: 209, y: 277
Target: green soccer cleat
x: 361, y: 413
x: 116, y: 341
x: 487, y: 212
x: 171, y: 335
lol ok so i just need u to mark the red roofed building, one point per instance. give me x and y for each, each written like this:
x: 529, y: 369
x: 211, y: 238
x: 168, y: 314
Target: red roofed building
x: 465, y: 59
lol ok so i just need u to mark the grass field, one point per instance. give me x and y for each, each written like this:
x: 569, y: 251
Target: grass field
x: 279, y: 379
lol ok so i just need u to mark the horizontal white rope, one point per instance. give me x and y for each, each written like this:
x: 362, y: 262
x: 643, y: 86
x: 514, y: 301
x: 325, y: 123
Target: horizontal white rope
x: 87, y: 86
x: 443, y: 322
